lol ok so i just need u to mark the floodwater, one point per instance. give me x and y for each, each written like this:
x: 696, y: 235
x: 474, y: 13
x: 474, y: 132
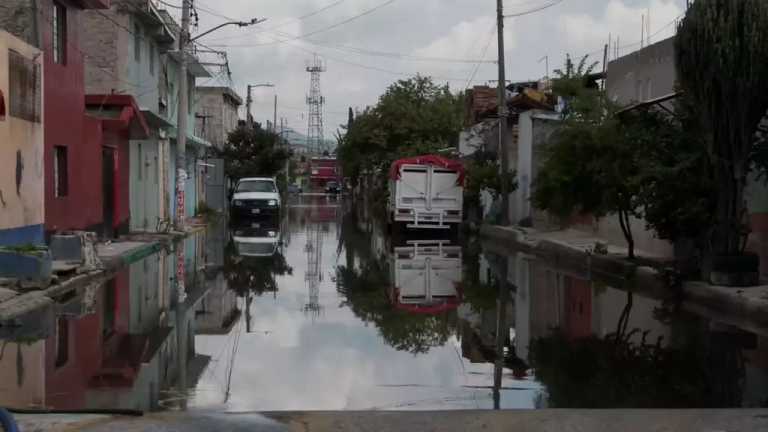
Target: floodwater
x: 323, y: 310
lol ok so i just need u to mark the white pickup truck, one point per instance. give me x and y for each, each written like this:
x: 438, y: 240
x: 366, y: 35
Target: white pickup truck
x: 426, y: 192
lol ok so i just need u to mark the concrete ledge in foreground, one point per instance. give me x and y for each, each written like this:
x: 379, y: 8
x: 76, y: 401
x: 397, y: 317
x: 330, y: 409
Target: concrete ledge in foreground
x: 446, y: 421
x: 569, y: 251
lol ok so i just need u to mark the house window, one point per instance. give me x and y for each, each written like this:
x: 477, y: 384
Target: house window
x: 59, y: 42
x: 24, y: 92
x: 62, y: 341
x: 137, y: 42
x: 60, y: 172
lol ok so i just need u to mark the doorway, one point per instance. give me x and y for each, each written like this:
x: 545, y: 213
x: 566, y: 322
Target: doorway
x: 108, y: 191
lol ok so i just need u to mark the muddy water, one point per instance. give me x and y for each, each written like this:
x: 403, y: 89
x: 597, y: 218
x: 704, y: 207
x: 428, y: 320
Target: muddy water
x: 323, y: 310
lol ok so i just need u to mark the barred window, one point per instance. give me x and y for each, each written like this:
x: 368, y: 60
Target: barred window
x: 24, y: 93
x: 59, y: 22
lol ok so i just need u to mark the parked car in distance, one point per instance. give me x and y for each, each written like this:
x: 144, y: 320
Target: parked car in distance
x: 294, y: 189
x: 332, y: 187
x: 255, y: 197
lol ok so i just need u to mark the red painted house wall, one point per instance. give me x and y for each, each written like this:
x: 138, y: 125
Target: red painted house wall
x: 120, y: 140
x: 65, y: 125
x: 578, y: 307
x: 67, y: 384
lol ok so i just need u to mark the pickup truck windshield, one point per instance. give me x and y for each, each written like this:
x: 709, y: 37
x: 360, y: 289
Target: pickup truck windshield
x: 256, y: 186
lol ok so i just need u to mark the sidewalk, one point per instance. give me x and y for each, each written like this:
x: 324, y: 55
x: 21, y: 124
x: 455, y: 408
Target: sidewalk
x: 16, y: 301
x: 573, y: 250
x: 574, y: 420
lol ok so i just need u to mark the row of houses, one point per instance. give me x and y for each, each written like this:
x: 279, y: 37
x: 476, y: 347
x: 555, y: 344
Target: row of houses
x: 89, y: 91
x: 645, y: 77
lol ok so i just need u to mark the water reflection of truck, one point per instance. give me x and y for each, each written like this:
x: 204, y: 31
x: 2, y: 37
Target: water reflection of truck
x: 426, y: 192
x: 257, y: 239
x: 426, y: 276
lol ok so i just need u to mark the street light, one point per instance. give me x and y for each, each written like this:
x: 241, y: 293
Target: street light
x: 249, y: 101
x: 237, y: 23
x: 181, y: 123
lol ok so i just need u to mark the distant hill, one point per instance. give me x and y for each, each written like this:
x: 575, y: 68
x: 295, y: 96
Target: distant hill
x: 298, y: 141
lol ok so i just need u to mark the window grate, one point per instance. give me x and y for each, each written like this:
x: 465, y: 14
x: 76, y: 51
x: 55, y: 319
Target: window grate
x: 24, y: 94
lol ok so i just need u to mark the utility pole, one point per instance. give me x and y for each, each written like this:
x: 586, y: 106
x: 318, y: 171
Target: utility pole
x: 274, y: 119
x: 248, y: 102
x: 503, y: 117
x: 181, y: 123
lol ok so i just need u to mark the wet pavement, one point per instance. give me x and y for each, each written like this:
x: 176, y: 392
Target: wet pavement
x: 323, y: 310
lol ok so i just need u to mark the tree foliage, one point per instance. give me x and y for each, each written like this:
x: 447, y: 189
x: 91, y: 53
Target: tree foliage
x: 720, y: 49
x: 414, y: 116
x: 253, y: 152
x: 644, y: 163
x: 253, y: 274
x: 591, y: 165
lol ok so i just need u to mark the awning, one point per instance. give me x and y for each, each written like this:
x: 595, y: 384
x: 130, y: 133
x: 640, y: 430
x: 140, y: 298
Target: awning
x: 156, y: 120
x: 173, y: 133
x: 118, y: 112
x: 193, y: 65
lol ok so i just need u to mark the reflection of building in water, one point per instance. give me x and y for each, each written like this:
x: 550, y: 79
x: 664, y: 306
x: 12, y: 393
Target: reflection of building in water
x: 114, y: 346
x: 218, y: 311
x: 426, y: 276
x: 729, y: 363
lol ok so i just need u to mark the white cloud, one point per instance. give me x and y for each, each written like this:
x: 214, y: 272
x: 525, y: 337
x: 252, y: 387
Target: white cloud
x: 582, y: 30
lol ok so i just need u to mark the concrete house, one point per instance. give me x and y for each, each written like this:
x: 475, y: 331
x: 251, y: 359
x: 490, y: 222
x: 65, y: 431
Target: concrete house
x: 196, y: 147
x: 21, y: 132
x: 128, y: 40
x: 72, y: 152
x: 217, y: 116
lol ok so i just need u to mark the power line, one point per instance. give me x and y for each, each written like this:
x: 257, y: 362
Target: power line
x: 309, y: 15
x: 531, y: 11
x: 485, y: 51
x: 331, y: 27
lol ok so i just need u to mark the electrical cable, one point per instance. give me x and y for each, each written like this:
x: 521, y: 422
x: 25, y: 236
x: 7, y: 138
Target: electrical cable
x: 311, y: 14
x: 330, y: 27
x: 485, y: 51
x: 532, y: 11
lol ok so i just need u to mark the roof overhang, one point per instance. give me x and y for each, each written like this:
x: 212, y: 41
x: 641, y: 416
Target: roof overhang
x: 193, y: 65
x: 118, y: 112
x: 156, y: 120
x: 173, y: 132
x: 227, y: 92
x: 659, y: 101
x: 92, y: 4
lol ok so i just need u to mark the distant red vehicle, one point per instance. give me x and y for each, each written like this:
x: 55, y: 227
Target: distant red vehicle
x: 322, y: 171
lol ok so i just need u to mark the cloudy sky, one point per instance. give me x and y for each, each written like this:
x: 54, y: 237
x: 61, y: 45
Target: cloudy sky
x: 368, y: 44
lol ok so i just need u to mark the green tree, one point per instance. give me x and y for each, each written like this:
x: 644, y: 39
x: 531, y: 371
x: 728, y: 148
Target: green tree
x: 253, y: 151
x: 253, y: 274
x: 414, y: 116
x: 676, y: 195
x: 720, y: 49
x: 591, y: 163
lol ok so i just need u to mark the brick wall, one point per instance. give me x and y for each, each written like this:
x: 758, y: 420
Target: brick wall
x: 100, y: 39
x: 18, y: 18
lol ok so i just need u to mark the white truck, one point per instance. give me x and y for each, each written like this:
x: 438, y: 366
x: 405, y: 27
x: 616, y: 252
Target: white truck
x: 426, y: 192
x: 426, y: 276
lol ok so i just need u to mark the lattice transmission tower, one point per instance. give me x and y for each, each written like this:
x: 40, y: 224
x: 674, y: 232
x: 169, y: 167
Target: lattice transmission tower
x: 315, y: 102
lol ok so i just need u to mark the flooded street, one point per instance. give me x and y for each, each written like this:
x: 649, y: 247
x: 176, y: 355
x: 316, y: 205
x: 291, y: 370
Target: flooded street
x: 322, y: 309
